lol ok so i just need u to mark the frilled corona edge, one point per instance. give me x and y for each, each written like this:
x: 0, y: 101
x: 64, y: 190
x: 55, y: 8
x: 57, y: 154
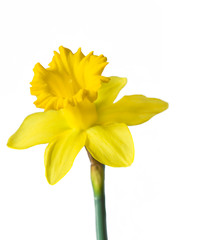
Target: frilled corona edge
x: 69, y: 79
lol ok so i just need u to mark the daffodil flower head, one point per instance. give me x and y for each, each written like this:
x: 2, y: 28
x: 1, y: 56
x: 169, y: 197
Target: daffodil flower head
x: 79, y: 110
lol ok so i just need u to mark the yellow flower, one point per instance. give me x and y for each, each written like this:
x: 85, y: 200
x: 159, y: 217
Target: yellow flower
x: 80, y: 111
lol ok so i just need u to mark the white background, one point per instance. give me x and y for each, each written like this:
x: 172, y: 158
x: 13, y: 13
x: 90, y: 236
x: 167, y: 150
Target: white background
x: 155, y: 44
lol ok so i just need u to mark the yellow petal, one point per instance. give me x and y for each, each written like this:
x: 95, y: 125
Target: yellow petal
x: 38, y: 128
x: 132, y: 110
x: 111, y: 145
x: 60, y: 154
x: 69, y: 79
x: 109, y: 91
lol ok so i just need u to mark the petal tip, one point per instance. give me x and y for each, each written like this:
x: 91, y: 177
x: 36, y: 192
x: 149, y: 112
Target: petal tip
x: 166, y: 105
x: 49, y: 177
x: 50, y: 181
x: 11, y: 144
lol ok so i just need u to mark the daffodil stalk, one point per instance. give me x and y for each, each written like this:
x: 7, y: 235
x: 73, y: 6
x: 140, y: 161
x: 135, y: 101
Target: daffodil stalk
x: 79, y: 110
x: 97, y: 179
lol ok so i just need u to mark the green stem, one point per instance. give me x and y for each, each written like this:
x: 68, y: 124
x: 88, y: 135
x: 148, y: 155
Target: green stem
x: 97, y: 179
x: 100, y: 213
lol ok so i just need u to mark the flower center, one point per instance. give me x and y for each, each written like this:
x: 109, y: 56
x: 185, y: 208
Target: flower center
x: 81, y: 116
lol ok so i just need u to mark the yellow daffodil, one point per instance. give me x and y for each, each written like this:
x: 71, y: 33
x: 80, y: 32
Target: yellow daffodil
x: 80, y: 111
